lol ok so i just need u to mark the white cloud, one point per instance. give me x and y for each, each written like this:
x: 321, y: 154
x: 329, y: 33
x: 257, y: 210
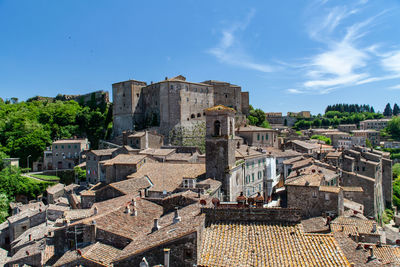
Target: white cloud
x: 391, y: 62
x: 229, y: 49
x: 396, y: 87
x: 294, y: 91
x: 344, y: 63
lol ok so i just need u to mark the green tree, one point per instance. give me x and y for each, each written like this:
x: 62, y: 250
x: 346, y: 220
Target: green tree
x: 325, y: 139
x: 80, y: 173
x: 388, y: 111
x: 256, y: 117
x: 393, y: 127
x: 265, y: 124
x: 396, y: 110
x: 396, y: 170
x: 4, y: 204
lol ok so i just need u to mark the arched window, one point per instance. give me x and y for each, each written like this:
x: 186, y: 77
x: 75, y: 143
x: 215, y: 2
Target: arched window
x: 198, y: 115
x: 217, y: 128
x: 192, y: 116
x: 231, y: 128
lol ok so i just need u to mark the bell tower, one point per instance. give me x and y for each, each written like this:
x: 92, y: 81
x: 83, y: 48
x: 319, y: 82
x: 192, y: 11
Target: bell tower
x: 220, y: 144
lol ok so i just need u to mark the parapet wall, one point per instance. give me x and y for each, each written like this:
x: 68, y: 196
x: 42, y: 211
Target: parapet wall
x: 252, y: 214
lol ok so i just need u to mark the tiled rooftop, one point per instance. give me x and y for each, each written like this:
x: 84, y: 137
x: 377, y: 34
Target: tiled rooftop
x: 168, y: 176
x: 245, y: 151
x: 278, y: 153
x: 131, y: 186
x: 252, y: 128
x: 314, y: 175
x: 264, y: 244
x: 191, y: 219
x: 124, y: 159
x: 103, y: 152
x: 70, y: 141
x: 220, y: 108
x: 387, y: 254
x: 101, y: 254
x: 352, y: 225
x: 120, y: 223
x: 315, y: 225
x: 157, y: 152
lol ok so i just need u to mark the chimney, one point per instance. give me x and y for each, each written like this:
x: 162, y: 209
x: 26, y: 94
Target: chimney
x: 144, y: 263
x: 95, y: 210
x: 177, y: 218
x: 127, y: 209
x: 133, y: 203
x: 30, y: 237
x: 373, y: 227
x: 166, y: 257
x: 134, y: 212
x: 166, y: 78
x: 372, y: 256
x: 156, y: 226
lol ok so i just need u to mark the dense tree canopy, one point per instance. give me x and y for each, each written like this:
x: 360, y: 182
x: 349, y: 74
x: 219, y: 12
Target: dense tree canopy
x: 334, y: 118
x: 393, y: 128
x: 27, y: 128
x: 257, y: 117
x: 351, y: 108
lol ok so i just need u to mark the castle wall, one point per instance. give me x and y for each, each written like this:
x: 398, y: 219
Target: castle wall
x: 170, y: 103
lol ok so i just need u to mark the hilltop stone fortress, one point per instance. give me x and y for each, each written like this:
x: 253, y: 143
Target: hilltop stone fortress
x: 171, y: 102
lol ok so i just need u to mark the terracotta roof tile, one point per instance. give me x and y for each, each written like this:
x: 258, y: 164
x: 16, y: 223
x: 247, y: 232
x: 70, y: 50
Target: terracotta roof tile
x: 101, y: 253
x: 168, y: 176
x: 124, y: 159
x: 265, y: 244
x: 351, y: 225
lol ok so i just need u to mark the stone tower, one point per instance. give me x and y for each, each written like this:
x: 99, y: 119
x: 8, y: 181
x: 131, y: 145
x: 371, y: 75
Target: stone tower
x: 220, y: 145
x: 127, y: 105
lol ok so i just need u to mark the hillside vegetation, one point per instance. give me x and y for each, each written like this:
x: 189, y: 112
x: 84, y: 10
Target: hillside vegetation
x: 27, y: 128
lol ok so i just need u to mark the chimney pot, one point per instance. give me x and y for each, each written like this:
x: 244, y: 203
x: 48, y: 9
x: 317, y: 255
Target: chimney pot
x: 166, y: 257
x: 374, y: 227
x: 156, y: 226
x: 177, y: 218
x: 134, y: 212
x: 127, y: 210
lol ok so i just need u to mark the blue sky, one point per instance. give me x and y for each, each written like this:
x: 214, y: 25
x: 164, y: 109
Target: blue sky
x: 290, y: 55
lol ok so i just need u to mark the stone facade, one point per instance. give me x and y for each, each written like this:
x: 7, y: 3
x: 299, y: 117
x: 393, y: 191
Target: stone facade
x: 347, y: 127
x: 220, y: 146
x: 314, y: 202
x: 372, y: 135
x: 258, y: 136
x: 377, y: 124
x: 371, y: 170
x: 169, y: 103
x: 142, y: 140
x: 66, y: 153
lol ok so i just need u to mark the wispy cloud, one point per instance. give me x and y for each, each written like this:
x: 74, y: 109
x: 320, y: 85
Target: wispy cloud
x: 229, y: 49
x: 344, y: 62
x: 396, y: 87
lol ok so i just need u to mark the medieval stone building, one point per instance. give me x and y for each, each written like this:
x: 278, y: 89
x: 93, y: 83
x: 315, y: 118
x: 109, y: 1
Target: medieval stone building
x: 171, y: 102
